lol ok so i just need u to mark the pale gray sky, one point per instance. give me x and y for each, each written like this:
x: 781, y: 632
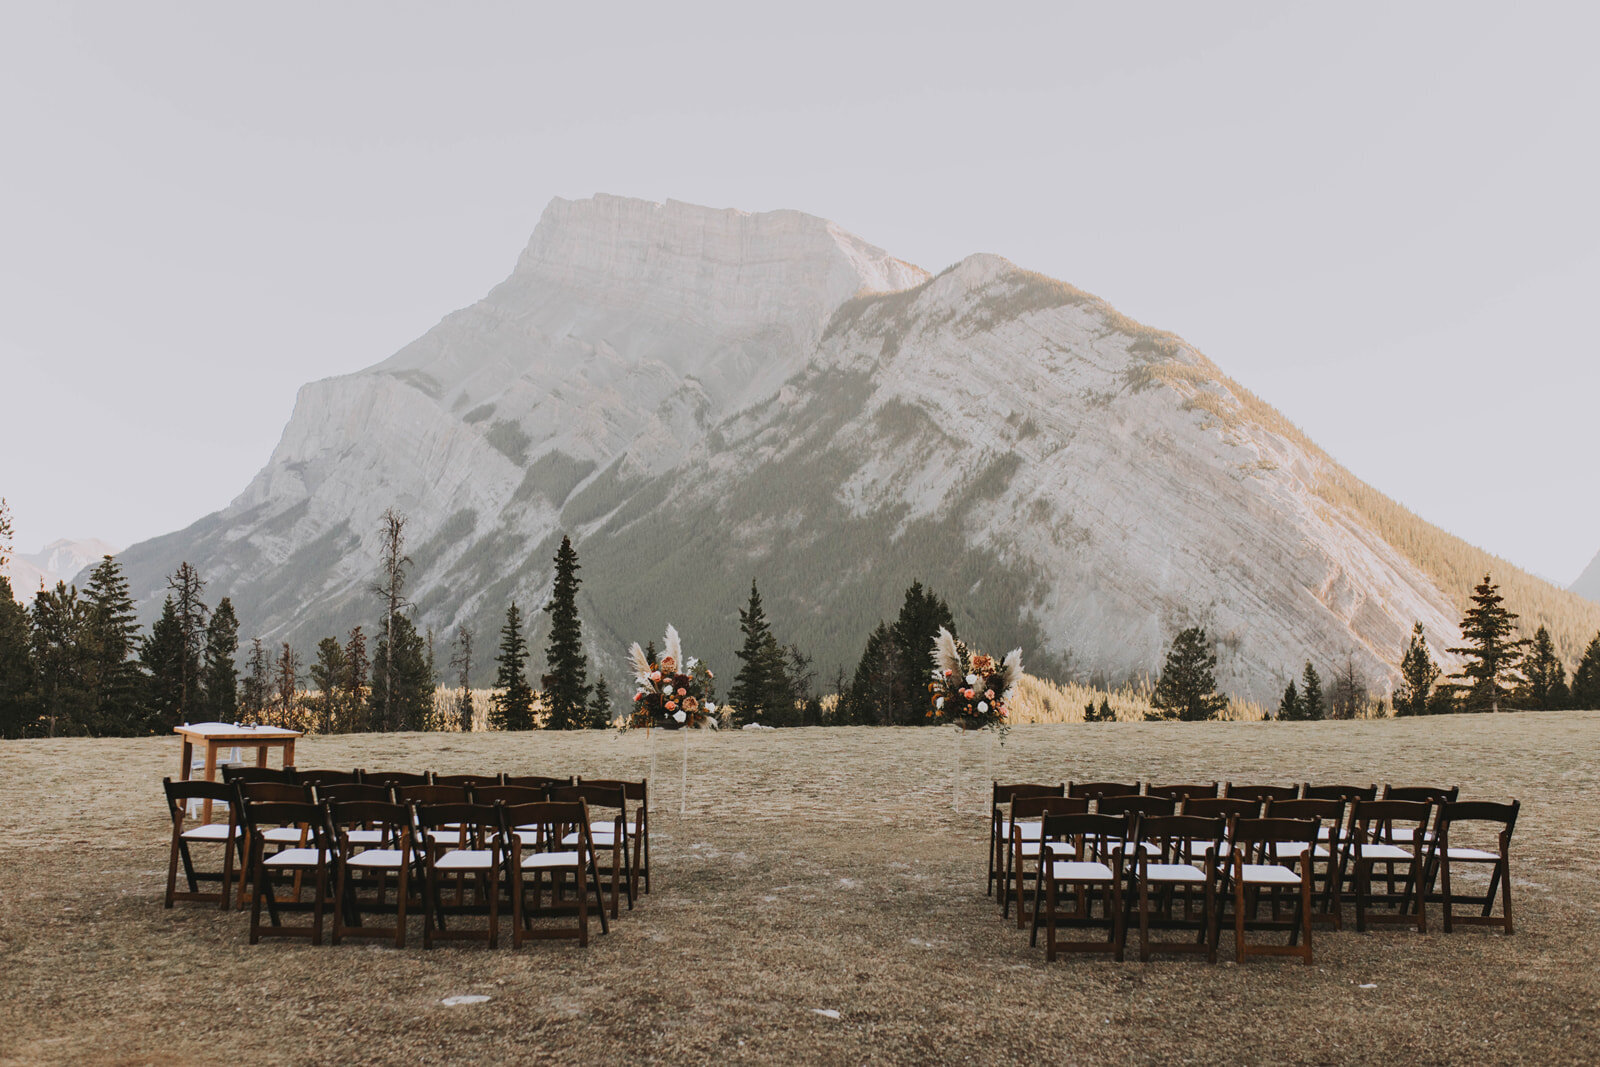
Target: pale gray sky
x: 1381, y: 218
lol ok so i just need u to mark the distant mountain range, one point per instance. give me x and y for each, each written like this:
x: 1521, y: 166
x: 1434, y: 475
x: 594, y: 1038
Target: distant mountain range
x: 1588, y: 583
x: 59, y: 561
x: 701, y: 397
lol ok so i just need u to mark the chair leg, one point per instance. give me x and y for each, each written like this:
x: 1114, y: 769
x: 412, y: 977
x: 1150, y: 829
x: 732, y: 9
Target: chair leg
x: 1505, y: 892
x: 1305, y: 912
x: 172, y: 868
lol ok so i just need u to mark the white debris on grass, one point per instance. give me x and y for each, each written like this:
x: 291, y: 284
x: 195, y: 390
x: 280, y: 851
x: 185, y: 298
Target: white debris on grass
x: 826, y: 1013
x: 465, y: 998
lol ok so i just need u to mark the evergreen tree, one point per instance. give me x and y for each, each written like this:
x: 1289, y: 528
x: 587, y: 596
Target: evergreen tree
x: 60, y: 659
x: 162, y: 656
x: 256, y: 689
x: 1490, y: 673
x: 567, y: 685
x: 219, y: 670
x: 921, y: 615
x: 1188, y: 683
x: 328, y: 675
x: 1289, y: 709
x: 111, y: 640
x: 407, y: 687
x: 461, y: 663
x: 1545, y: 684
x: 513, y: 697
x: 1311, y: 707
x: 869, y: 698
x: 1106, y: 714
x: 1100, y: 713
x: 600, y: 709
x: 286, y: 684
x: 17, y: 716
x: 801, y: 705
x: 761, y: 686
x: 1418, y: 673
x: 186, y: 586
x: 1586, y: 679
x: 356, y: 676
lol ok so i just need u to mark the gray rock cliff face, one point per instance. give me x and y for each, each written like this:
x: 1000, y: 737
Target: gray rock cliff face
x: 701, y: 397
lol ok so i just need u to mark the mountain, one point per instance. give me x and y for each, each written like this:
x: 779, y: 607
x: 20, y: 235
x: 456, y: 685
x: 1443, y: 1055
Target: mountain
x: 1588, y: 583
x: 59, y: 561
x: 703, y: 396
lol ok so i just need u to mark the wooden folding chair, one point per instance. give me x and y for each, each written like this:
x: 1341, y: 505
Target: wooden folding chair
x: 1260, y: 793
x: 1076, y: 861
x: 265, y: 790
x: 535, y: 781
x: 639, y: 794
x: 1024, y: 819
x: 228, y: 835
x: 1197, y: 790
x: 396, y: 778
x: 1393, y: 833
x: 1096, y: 790
x: 608, y: 827
x: 1176, y: 866
x: 1253, y: 867
x: 313, y: 857
x: 1001, y: 824
x: 320, y: 776
x: 372, y: 842
x: 478, y: 850
x: 537, y: 833
x: 1229, y: 810
x: 233, y: 775
x: 1329, y: 855
x: 1455, y: 823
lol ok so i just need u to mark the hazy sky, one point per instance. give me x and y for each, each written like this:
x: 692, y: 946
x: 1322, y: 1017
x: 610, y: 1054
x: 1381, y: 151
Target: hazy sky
x: 1381, y: 218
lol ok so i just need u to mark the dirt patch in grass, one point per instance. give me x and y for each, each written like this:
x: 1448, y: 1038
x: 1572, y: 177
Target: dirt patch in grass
x: 814, y: 870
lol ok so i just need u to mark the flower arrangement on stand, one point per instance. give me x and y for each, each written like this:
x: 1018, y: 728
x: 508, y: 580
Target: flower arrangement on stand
x: 671, y: 692
x: 969, y: 689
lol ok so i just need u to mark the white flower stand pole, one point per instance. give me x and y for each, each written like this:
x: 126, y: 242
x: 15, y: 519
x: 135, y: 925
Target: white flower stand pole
x: 683, y: 794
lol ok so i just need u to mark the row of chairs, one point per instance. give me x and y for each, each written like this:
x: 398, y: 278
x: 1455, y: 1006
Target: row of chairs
x: 1216, y: 842
x: 349, y: 831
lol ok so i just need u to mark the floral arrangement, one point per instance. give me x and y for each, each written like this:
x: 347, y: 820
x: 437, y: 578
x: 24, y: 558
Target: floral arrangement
x: 671, y: 692
x: 968, y: 688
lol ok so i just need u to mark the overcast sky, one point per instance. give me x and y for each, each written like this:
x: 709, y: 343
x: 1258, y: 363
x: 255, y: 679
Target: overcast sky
x: 1381, y: 218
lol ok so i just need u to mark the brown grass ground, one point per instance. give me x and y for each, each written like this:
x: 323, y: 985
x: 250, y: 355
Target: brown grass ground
x: 816, y: 869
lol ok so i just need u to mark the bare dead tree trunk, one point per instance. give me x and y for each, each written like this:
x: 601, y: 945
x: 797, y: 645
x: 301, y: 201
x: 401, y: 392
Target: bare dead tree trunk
x: 393, y: 561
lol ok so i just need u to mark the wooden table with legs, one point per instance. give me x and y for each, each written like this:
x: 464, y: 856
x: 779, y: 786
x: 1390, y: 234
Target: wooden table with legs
x: 215, y: 735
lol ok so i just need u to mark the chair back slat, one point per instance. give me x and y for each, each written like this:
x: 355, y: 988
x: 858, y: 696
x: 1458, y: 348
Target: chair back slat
x: 325, y: 776
x: 466, y: 779
x: 1197, y: 791
x: 1248, y: 832
x: 534, y: 781
x: 1432, y: 794
x: 636, y: 791
x: 394, y: 778
x: 1102, y: 789
x: 1136, y: 805
x: 335, y: 792
x: 1309, y: 791
x: 1037, y: 807
x: 260, y: 774
x: 1222, y: 807
x: 431, y: 794
x: 506, y: 794
x: 1260, y: 793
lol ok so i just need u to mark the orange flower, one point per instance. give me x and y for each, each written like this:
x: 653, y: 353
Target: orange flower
x: 691, y: 704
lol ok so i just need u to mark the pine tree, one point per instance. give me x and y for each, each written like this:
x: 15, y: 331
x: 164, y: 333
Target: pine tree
x: 1311, y: 708
x: 1545, y: 684
x: 1490, y: 673
x: 600, y: 710
x: 567, y: 677
x: 186, y: 586
x: 111, y: 640
x: 461, y: 663
x: 17, y: 716
x: 869, y: 697
x: 255, y: 692
x: 1418, y: 673
x: 391, y: 588
x: 406, y: 688
x: 1289, y: 709
x: 60, y: 659
x: 162, y: 655
x: 752, y: 688
x: 513, y: 697
x: 1585, y: 692
x: 219, y: 670
x: 1188, y: 683
x: 286, y: 684
x: 357, y: 669
x: 921, y: 615
x: 796, y: 685
x: 328, y: 675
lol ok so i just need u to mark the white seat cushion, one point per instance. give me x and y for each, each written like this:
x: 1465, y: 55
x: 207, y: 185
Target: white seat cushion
x: 1269, y: 874
x: 1204, y: 848
x: 543, y: 860
x: 1291, y: 849
x: 377, y: 859
x: 1080, y: 871
x: 601, y: 838
x: 465, y: 859
x: 295, y: 857
x: 1382, y: 852
x: 1028, y: 829
x: 1124, y: 848
x: 1175, y: 872
x: 280, y: 835
x: 212, y: 831
x: 1028, y: 849
x: 1473, y: 855
x: 443, y: 837
x: 365, y: 838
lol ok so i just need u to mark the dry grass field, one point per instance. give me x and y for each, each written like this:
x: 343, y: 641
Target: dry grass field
x: 814, y: 869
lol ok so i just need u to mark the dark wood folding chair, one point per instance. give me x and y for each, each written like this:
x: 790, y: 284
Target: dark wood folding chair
x: 328, y: 776
x: 1096, y: 790
x: 1000, y: 828
x: 1229, y: 810
x: 1134, y: 808
x: 1458, y: 823
x: 372, y: 843
x: 1253, y: 867
x: 313, y: 857
x: 537, y: 832
x: 638, y: 794
x: 479, y: 851
x: 534, y: 781
x: 1260, y: 793
x: 1329, y: 856
x: 275, y: 838
x: 227, y: 834
x: 1197, y: 790
x: 1024, y: 817
x: 1393, y: 833
x: 1176, y: 865
x: 608, y: 826
x: 505, y: 794
x: 396, y: 778
x: 1076, y: 862
x: 287, y: 775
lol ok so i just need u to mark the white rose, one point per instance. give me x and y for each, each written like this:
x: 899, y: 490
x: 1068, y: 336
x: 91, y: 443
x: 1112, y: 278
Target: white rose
x: 680, y: 716
x: 983, y: 707
x: 939, y: 703
x: 972, y: 679
x: 710, y: 707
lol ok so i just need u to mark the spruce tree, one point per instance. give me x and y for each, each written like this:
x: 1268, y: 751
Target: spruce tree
x: 1585, y: 691
x: 406, y: 687
x: 112, y: 635
x: 219, y: 669
x: 286, y: 684
x: 17, y: 716
x: 186, y: 586
x: 513, y: 698
x: 752, y: 688
x: 1493, y: 653
x: 567, y: 668
x: 1545, y: 677
x: 162, y: 656
x: 1289, y: 709
x: 461, y: 663
x: 869, y: 697
x: 60, y: 660
x: 357, y: 668
x: 1418, y: 673
x: 328, y: 675
x: 600, y: 710
x: 921, y: 614
x: 1188, y: 683
x: 256, y: 689
x: 1311, y: 707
